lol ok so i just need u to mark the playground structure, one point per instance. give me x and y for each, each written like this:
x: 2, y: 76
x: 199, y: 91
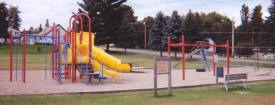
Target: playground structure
x: 182, y: 45
x: 202, y: 52
x: 70, y: 53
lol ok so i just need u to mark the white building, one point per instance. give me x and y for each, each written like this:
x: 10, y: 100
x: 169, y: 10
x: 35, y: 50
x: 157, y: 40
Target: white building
x: 15, y: 35
x: 48, y: 31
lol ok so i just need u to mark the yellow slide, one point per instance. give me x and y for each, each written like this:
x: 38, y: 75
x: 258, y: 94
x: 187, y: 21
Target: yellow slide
x: 97, y: 66
x: 99, y: 55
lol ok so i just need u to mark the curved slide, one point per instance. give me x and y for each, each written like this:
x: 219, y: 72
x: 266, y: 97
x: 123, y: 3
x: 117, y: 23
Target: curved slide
x: 99, y: 55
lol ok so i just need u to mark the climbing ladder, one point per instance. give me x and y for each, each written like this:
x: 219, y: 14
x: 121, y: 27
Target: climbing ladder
x: 87, y: 71
x: 204, y: 59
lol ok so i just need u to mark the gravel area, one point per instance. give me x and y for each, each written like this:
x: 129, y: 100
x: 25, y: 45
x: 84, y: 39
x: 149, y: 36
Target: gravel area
x: 143, y: 79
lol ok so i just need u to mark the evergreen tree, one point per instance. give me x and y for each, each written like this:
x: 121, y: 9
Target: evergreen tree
x: 215, y: 22
x: 148, y: 23
x: 127, y: 14
x: 127, y: 31
x: 257, y: 24
x: 13, y: 18
x: 156, y: 32
x: 257, y: 19
x: 270, y: 24
x: 4, y: 24
x: 176, y: 29
x: 176, y: 25
x: 127, y: 36
x: 192, y: 27
x: 241, y: 39
x: 245, y: 18
x: 106, y: 16
x: 167, y: 31
x: 271, y: 19
x: 140, y: 28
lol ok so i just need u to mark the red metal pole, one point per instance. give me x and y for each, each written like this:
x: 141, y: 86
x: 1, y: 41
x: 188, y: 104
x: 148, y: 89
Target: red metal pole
x: 24, y: 56
x: 227, y: 56
x: 73, y: 57
x: 58, y: 55
x: 169, y: 41
x: 183, y: 57
x: 11, y: 55
x: 90, y: 34
x: 70, y: 71
x: 214, y: 64
x: 81, y: 21
x: 53, y: 51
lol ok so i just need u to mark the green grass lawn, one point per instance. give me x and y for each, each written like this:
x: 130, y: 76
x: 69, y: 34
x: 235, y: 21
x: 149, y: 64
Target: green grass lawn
x: 36, y: 58
x: 258, y: 93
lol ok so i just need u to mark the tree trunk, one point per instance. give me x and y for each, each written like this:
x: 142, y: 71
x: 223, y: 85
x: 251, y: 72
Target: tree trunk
x: 107, y: 47
x: 125, y: 50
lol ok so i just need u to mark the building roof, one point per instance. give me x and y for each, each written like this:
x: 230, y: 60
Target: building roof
x: 47, y: 30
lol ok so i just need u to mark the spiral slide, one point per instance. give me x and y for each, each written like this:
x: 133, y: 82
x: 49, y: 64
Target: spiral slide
x: 99, y: 56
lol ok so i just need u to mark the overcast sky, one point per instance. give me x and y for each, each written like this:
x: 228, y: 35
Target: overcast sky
x: 35, y: 12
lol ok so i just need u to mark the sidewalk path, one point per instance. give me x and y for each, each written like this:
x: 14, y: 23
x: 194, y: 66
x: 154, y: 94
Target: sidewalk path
x: 142, y: 80
x: 164, y: 53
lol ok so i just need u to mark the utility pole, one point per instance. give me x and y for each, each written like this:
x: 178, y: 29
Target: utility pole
x: 145, y: 36
x: 233, y: 37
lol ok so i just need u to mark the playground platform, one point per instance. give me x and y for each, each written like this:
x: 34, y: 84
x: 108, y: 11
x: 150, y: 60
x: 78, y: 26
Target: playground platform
x: 140, y: 80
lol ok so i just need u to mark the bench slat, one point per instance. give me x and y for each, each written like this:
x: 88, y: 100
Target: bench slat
x: 235, y: 76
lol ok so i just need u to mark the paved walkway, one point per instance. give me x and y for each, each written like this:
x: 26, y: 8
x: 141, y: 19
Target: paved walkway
x: 37, y: 84
x: 164, y: 53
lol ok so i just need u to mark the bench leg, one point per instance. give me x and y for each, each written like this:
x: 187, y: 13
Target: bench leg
x: 244, y: 84
x: 226, y: 85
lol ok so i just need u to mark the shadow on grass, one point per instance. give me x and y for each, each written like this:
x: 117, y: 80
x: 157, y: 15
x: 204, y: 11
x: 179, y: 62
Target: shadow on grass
x: 235, y: 88
x: 164, y: 95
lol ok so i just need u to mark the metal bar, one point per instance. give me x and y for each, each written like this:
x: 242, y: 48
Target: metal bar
x: 37, y: 35
x: 52, y: 52
x: 59, y: 58
x: 102, y: 79
x: 169, y: 42
x: 233, y: 38
x: 45, y: 46
x: 15, y: 62
x: 200, y: 45
x: 21, y: 42
x: 73, y: 57
x: 155, y: 77
x: 80, y: 74
x: 87, y: 75
x: 24, y: 56
x: 227, y: 56
x: 169, y: 77
x: 214, y: 64
x: 183, y: 57
x: 176, y: 44
x: 11, y: 55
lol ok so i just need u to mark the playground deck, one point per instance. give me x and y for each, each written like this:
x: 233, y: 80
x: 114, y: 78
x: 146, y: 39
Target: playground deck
x: 143, y: 80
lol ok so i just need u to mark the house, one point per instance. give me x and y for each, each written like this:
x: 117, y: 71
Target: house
x: 48, y: 31
x: 15, y: 34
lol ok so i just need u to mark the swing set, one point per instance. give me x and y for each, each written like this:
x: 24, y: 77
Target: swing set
x: 183, y: 45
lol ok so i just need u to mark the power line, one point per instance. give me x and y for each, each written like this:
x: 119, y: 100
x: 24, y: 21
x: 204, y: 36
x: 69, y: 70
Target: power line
x: 237, y: 33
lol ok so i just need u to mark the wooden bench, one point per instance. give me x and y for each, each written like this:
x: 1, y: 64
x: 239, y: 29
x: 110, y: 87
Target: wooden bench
x: 230, y: 77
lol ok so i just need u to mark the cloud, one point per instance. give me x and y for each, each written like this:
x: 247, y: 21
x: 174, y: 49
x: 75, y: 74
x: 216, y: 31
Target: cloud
x: 229, y: 8
x: 35, y: 12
